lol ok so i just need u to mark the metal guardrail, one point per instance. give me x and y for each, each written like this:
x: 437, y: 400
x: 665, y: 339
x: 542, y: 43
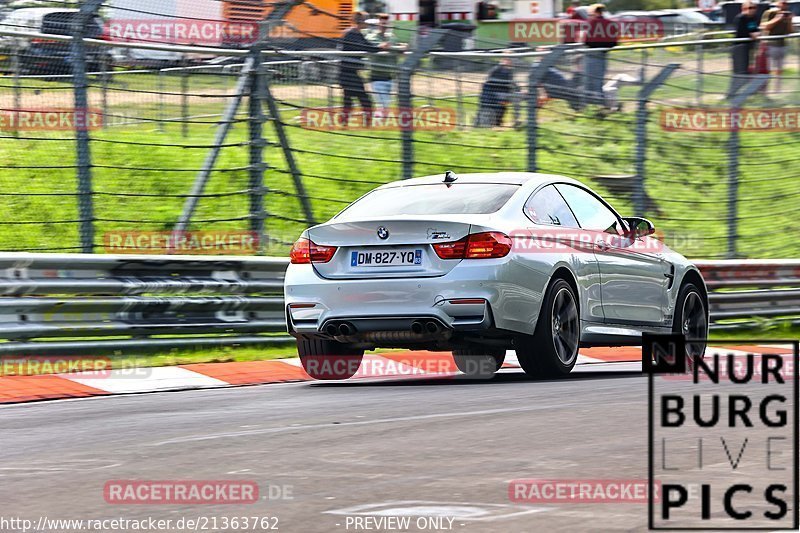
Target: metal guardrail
x: 742, y: 292
x: 75, y: 303
x: 65, y: 303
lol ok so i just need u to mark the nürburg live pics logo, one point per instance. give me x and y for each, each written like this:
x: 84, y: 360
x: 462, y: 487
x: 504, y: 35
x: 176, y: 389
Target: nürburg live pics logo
x: 723, y: 436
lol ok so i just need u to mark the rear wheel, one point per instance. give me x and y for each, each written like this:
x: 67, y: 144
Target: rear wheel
x: 328, y: 360
x: 479, y: 363
x: 552, y: 350
x: 691, y: 320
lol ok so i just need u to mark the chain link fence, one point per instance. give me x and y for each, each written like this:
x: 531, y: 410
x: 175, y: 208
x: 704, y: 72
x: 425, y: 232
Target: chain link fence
x: 109, y: 137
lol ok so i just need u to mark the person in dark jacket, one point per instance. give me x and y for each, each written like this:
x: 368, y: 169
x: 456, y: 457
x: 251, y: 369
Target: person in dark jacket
x: 747, y: 27
x: 601, y: 33
x: 350, y: 80
x: 497, y: 92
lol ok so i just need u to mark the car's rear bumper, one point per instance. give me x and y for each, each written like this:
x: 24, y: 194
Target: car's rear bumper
x: 471, y: 297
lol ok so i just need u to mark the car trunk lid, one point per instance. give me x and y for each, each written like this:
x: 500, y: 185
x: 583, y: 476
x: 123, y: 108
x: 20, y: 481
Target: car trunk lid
x: 388, y: 247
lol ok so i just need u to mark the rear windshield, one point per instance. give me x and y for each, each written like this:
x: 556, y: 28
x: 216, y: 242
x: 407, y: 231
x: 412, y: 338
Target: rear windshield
x: 433, y: 199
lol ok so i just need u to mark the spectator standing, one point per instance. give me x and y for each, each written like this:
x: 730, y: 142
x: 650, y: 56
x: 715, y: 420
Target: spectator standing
x: 777, y: 21
x: 496, y: 93
x: 482, y: 9
x: 573, y: 7
x: 384, y: 65
x: 746, y: 28
x: 601, y: 33
x: 349, y: 78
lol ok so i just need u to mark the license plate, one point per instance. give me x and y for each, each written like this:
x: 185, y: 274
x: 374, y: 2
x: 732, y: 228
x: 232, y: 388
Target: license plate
x: 380, y: 258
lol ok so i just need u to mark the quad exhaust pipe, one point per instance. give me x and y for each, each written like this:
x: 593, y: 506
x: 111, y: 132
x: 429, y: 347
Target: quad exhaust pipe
x: 425, y: 326
x: 432, y: 327
x: 344, y: 329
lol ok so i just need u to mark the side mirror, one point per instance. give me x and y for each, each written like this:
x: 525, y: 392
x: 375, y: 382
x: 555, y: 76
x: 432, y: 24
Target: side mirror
x: 639, y: 227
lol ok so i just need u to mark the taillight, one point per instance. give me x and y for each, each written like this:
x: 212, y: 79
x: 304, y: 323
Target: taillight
x: 306, y: 251
x: 451, y: 250
x: 488, y: 245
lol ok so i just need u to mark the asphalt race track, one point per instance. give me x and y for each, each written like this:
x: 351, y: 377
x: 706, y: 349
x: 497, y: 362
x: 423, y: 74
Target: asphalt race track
x: 452, y: 444
x: 435, y: 448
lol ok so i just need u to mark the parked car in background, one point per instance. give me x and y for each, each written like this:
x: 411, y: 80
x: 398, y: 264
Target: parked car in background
x: 41, y: 55
x: 695, y: 18
x: 672, y: 21
x: 143, y: 57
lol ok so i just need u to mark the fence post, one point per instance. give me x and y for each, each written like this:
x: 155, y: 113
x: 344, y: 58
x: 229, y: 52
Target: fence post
x: 255, y: 115
x: 279, y: 11
x: 699, y: 84
x: 78, y: 59
x: 640, y: 193
x: 643, y: 69
x: 535, y: 77
x: 225, y: 124
x: 404, y: 97
x: 733, y: 163
x: 106, y: 75
x: 283, y: 138
x: 184, y: 102
x: 16, y: 65
x: 161, y: 115
x: 460, y: 118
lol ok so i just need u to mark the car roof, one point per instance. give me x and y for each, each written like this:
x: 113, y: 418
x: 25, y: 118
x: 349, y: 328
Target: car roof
x: 532, y: 179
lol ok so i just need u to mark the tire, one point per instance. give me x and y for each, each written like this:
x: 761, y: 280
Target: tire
x: 691, y: 319
x: 479, y: 363
x: 552, y: 350
x: 328, y: 360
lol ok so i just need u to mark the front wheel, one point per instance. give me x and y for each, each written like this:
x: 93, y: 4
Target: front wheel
x: 691, y: 320
x: 328, y: 360
x: 552, y: 350
x: 479, y: 363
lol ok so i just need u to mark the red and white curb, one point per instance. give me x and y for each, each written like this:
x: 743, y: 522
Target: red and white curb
x: 392, y: 365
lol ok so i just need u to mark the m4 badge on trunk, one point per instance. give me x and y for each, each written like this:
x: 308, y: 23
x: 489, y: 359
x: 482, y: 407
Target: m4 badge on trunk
x: 435, y: 235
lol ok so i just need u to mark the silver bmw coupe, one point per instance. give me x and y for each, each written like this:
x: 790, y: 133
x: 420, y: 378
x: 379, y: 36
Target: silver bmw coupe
x: 479, y: 264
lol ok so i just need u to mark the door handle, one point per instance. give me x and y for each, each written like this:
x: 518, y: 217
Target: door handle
x: 602, y: 246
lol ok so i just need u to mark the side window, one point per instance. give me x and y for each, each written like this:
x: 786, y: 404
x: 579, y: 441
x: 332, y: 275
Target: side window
x: 547, y: 206
x: 592, y: 214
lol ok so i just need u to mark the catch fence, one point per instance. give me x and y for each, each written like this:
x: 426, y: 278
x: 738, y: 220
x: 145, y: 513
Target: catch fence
x: 250, y: 138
